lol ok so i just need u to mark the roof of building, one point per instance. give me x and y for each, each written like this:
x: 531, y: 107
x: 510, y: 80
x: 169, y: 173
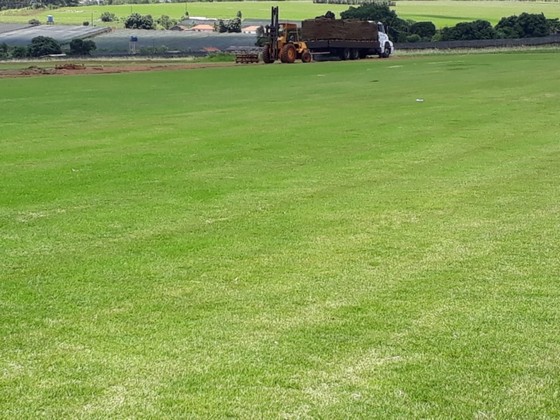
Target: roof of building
x: 202, y: 28
x: 250, y: 29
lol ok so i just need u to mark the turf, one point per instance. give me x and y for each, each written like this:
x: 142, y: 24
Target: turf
x: 450, y: 12
x: 441, y: 12
x: 283, y: 241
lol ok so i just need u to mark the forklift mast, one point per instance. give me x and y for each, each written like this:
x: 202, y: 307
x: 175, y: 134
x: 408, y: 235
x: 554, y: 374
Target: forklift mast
x: 274, y: 30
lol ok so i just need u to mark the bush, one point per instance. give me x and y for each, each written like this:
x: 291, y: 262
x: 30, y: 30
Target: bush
x: 43, y: 45
x: 85, y: 23
x: 34, y: 22
x: 154, y: 50
x: 553, y: 25
x: 413, y: 38
x: 137, y: 21
x: 19, y: 52
x: 108, y: 17
x: 81, y: 47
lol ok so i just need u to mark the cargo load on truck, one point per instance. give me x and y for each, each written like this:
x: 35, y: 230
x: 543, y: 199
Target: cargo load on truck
x: 332, y: 29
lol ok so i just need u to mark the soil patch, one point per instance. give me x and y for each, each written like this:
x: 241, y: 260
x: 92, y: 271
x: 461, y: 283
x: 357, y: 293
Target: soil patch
x: 73, y: 69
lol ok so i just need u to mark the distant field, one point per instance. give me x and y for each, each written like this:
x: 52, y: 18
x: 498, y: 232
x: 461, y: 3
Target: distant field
x: 372, y: 239
x: 449, y: 13
x: 442, y: 13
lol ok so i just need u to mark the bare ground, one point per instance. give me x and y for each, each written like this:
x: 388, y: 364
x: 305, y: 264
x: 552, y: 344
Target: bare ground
x: 74, y: 69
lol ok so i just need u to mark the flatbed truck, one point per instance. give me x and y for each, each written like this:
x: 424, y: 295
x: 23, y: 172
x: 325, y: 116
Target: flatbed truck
x: 347, y: 39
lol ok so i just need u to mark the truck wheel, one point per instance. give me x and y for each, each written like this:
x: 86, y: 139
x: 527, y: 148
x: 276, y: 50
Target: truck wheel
x: 288, y: 54
x: 386, y: 51
x: 267, y: 54
x: 354, y: 54
x: 345, y: 54
x: 306, y: 57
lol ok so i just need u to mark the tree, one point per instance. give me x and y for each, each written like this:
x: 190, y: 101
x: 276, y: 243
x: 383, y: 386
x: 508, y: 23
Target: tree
x: 81, y: 47
x: 526, y: 25
x: 398, y: 28
x: 425, y: 30
x: 508, y: 28
x: 533, y: 25
x: 220, y: 26
x: 36, y: 4
x: 166, y: 22
x: 232, y: 25
x: 464, y: 31
x: 137, y: 21
x: 43, y: 45
x: 3, y: 50
x: 370, y: 11
x: 262, y: 39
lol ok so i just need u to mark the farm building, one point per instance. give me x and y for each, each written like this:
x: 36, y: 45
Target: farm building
x: 250, y: 29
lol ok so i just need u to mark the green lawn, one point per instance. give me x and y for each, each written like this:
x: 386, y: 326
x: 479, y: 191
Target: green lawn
x: 450, y: 12
x: 441, y: 12
x: 283, y: 241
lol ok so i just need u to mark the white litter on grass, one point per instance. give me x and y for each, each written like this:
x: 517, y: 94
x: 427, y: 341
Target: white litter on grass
x: 419, y: 100
x: 395, y: 67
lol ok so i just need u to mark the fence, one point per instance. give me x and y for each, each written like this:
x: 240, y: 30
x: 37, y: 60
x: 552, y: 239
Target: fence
x: 480, y: 43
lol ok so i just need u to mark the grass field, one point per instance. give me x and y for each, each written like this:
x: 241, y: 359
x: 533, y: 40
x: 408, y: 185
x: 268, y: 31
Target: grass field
x: 283, y: 241
x: 441, y: 12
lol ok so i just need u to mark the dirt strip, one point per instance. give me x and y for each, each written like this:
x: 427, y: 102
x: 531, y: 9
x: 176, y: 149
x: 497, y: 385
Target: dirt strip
x: 75, y: 69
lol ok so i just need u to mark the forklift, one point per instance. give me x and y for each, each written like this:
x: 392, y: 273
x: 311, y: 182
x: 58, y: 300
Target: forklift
x: 284, y: 42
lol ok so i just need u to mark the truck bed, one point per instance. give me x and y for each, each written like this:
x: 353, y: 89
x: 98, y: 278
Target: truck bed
x: 326, y: 44
x: 324, y: 29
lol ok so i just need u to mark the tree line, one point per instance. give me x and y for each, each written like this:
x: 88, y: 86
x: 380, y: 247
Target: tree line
x: 41, y: 46
x: 138, y: 21
x: 36, y: 4
x: 526, y: 25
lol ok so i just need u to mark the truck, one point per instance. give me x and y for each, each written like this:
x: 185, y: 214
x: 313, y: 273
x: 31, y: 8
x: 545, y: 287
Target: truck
x: 348, y: 39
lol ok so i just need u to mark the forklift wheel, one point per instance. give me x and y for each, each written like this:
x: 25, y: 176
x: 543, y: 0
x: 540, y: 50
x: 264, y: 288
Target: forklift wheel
x: 306, y: 57
x: 288, y: 54
x: 267, y: 55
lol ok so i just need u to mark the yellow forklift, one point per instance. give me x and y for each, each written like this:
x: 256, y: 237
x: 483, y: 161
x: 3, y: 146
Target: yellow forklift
x: 284, y: 42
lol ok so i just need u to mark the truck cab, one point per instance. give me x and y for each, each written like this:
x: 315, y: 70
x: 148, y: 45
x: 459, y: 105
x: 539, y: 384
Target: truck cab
x: 386, y: 46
